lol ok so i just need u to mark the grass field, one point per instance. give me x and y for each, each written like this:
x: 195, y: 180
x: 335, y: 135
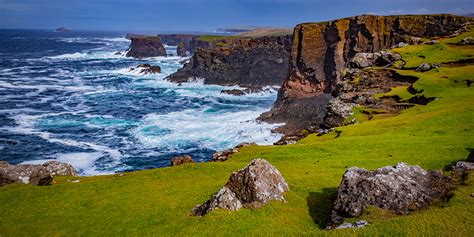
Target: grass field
x: 159, y: 201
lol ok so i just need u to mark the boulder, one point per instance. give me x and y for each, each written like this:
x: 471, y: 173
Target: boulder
x: 223, y: 155
x: 146, y: 46
x: 466, y: 41
x: 424, y: 67
x: 253, y: 186
x: 431, y: 42
x: 401, y: 188
x: 401, y: 45
x: 146, y: 68
x: 41, y: 174
x: 382, y: 58
x: 24, y: 174
x: 56, y: 168
x: 181, y: 160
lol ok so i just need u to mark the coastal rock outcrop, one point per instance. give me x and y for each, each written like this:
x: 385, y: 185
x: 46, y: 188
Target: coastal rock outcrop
x: 181, y: 160
x: 41, y: 174
x: 253, y: 186
x: 382, y: 58
x: 146, y: 46
x: 146, y: 68
x: 225, y: 154
x: 401, y: 189
x: 321, y: 51
x: 248, y: 62
x: 56, y: 168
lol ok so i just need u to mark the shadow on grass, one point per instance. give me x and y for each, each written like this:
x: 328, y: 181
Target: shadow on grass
x: 320, y: 204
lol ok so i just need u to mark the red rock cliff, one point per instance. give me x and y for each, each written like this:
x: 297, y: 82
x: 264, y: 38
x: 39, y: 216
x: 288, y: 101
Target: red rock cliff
x: 321, y: 50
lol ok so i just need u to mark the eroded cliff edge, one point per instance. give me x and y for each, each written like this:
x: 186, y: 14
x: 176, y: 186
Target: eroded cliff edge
x: 320, y: 52
x: 247, y: 62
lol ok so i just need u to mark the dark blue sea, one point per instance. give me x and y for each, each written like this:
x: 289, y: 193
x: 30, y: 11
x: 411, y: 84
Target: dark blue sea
x: 69, y: 96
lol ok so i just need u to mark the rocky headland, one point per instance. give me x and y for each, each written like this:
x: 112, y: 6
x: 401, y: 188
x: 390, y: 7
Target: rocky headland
x: 321, y: 53
x: 247, y: 62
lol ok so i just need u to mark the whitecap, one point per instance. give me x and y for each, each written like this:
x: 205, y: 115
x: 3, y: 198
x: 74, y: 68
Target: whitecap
x: 204, y: 127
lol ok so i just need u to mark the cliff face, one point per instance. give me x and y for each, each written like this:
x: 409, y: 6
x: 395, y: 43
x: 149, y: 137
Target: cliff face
x: 146, y: 46
x: 320, y: 51
x: 248, y: 62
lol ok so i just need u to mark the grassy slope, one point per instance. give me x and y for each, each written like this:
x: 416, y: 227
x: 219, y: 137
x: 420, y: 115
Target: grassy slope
x: 158, y: 202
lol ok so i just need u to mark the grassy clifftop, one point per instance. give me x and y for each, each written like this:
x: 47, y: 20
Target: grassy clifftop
x: 159, y: 202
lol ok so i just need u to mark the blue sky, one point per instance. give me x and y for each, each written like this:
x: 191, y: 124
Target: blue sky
x: 202, y: 15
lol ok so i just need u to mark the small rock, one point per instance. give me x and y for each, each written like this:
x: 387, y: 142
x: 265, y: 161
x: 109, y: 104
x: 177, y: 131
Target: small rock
x: 472, y: 195
x: 75, y: 181
x: 181, y: 160
x: 253, y: 186
x: 146, y: 68
x: 357, y: 224
x: 431, y: 42
x: 466, y: 41
x: 400, y: 45
x: 423, y: 67
x: 223, y: 155
x: 464, y: 165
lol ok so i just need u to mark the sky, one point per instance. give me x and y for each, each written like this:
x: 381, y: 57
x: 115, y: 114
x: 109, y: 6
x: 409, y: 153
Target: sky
x: 202, y: 15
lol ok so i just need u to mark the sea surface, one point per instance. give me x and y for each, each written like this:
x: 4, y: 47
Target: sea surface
x: 69, y: 96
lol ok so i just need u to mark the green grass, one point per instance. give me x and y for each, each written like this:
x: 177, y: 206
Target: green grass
x: 159, y: 201
x: 212, y: 38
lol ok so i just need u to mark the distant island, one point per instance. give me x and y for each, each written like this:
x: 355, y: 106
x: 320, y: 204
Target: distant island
x: 62, y: 29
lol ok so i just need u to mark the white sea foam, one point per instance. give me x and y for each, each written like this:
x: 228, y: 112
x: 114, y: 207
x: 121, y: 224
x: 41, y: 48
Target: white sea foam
x: 87, y: 56
x: 213, y: 130
x: 26, y: 126
x: 83, y: 162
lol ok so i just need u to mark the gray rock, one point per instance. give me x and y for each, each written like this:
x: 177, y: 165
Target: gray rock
x: 253, y: 186
x: 382, y: 58
x: 24, y: 174
x: 56, y: 168
x: 34, y: 174
x: 401, y: 189
x: 400, y: 45
x: 431, y: 42
x: 357, y: 224
x: 464, y: 166
x: 466, y: 41
x: 424, y: 67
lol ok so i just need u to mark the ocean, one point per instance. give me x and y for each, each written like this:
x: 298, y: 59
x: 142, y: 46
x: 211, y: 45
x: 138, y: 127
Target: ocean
x: 70, y: 97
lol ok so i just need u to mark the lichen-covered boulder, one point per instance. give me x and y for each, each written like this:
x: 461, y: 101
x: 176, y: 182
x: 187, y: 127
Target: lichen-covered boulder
x: 41, y: 174
x: 382, y: 58
x: 256, y: 184
x: 401, y: 188
x: 181, y: 160
x: 24, y: 174
x: 56, y: 168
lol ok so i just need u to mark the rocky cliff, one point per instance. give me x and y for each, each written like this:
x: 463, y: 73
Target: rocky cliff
x: 320, y: 52
x: 145, y: 46
x: 248, y: 62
